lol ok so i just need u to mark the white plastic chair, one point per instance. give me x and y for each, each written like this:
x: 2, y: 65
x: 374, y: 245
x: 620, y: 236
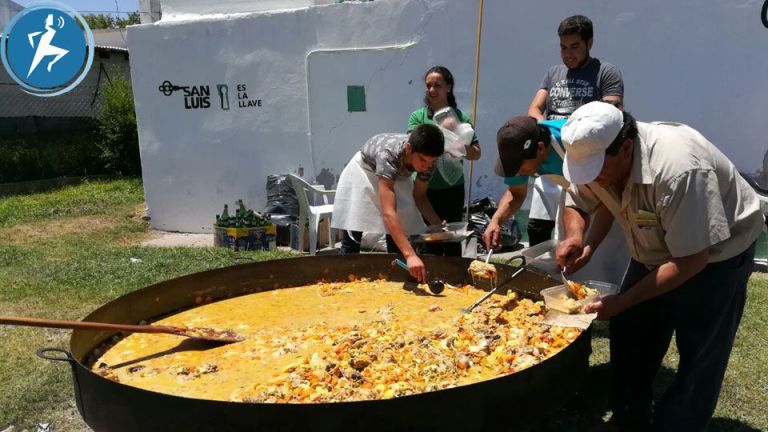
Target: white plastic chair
x: 761, y: 263
x: 309, y: 214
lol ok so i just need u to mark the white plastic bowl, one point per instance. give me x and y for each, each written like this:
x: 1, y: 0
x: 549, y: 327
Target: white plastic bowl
x: 553, y: 296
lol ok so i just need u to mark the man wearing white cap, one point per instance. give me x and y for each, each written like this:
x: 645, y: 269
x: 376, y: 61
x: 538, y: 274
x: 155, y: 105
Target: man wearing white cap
x: 691, y: 223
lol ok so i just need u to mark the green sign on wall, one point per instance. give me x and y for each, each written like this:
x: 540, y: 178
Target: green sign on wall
x: 355, y: 98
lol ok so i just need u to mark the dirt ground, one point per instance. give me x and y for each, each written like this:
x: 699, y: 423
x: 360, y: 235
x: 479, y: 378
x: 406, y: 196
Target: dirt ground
x: 177, y: 239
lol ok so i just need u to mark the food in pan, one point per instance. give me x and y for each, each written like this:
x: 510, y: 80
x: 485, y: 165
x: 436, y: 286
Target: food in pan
x: 480, y: 271
x: 338, y: 341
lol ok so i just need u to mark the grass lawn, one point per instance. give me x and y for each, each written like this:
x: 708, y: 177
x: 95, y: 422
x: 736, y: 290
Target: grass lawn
x: 67, y: 252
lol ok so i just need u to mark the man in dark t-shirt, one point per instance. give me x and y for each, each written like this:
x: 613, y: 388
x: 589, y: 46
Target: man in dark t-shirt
x: 579, y: 80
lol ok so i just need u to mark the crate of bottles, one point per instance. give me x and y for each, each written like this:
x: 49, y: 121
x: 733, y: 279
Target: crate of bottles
x: 253, y: 238
x: 246, y: 230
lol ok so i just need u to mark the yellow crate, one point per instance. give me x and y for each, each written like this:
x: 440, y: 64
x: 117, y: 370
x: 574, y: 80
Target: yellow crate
x: 254, y: 238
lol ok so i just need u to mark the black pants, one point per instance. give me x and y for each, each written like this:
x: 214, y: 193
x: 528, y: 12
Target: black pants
x: 449, y: 205
x: 704, y: 314
x: 350, y: 244
x: 539, y: 231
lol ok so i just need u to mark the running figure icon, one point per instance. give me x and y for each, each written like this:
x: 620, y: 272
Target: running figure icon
x: 44, y: 47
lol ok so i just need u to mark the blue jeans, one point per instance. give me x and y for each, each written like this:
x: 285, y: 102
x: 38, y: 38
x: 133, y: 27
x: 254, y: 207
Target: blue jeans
x: 704, y: 313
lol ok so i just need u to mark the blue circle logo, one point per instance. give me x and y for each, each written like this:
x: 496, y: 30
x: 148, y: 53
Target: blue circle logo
x: 47, y: 48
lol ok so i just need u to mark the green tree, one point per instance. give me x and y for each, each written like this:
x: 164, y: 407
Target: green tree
x: 133, y: 18
x: 118, y: 135
x: 101, y: 21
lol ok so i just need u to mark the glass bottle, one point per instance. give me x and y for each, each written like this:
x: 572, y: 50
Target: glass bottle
x: 225, y: 216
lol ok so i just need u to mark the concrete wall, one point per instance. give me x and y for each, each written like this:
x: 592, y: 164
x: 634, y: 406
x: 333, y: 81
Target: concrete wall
x: 698, y: 62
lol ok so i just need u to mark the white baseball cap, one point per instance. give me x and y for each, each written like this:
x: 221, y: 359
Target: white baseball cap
x: 588, y: 132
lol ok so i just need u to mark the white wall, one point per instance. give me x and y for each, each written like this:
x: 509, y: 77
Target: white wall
x: 698, y: 62
x: 185, y: 9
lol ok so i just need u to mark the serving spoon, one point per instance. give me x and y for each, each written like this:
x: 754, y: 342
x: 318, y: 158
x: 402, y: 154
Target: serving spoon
x: 199, y: 333
x: 562, y: 275
x: 488, y: 257
x: 568, y: 283
x: 436, y: 286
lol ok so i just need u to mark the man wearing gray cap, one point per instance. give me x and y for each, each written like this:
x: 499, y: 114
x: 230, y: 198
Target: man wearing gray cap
x: 691, y: 223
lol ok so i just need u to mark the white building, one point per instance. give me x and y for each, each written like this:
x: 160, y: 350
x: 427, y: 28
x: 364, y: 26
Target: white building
x: 230, y: 92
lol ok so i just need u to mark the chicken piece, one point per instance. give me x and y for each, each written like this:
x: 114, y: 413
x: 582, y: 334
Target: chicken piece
x: 571, y: 304
x: 480, y: 270
x: 580, y: 291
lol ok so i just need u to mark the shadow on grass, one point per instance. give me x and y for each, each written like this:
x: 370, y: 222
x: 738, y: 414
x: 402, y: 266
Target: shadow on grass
x: 49, y: 185
x: 729, y: 425
x: 587, y: 410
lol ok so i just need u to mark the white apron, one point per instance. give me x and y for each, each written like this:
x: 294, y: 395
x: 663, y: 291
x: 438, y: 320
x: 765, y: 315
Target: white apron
x: 546, y: 196
x: 356, y: 205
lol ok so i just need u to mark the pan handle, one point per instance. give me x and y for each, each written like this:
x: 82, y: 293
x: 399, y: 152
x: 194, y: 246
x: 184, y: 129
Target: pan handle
x: 44, y: 353
x: 401, y: 264
x: 519, y: 257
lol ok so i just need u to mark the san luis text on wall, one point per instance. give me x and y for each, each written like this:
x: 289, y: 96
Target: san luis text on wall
x: 199, y: 96
x: 196, y: 97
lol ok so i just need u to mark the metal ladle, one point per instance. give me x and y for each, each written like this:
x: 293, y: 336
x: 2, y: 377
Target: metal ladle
x: 436, y: 286
x: 569, y: 283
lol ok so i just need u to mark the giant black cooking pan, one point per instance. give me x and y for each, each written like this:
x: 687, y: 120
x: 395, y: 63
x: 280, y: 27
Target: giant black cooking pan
x: 501, y: 404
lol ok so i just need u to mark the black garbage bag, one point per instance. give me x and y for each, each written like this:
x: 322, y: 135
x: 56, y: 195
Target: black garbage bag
x: 281, y: 197
x: 282, y: 206
x: 481, y: 211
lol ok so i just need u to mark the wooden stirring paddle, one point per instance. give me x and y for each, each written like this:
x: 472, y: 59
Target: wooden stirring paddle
x: 201, y: 333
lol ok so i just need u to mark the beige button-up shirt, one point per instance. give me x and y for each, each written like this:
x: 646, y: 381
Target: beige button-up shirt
x: 683, y: 196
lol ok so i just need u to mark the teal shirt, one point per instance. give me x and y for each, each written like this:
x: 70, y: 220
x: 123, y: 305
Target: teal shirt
x: 421, y: 116
x: 553, y: 164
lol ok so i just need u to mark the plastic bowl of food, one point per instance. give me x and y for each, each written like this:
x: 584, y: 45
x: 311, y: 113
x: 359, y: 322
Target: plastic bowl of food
x: 562, y: 298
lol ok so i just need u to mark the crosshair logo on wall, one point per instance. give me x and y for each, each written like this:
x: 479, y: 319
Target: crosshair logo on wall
x: 764, y: 14
x: 167, y: 88
x: 47, y: 48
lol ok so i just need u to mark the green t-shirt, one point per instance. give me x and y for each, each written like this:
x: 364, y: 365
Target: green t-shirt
x: 421, y: 116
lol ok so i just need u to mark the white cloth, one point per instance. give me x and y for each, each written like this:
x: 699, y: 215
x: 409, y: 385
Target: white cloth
x: 356, y: 205
x: 547, y: 190
x: 545, y: 198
